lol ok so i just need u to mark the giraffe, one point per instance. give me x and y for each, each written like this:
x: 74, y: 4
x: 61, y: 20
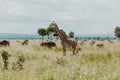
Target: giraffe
x: 65, y: 40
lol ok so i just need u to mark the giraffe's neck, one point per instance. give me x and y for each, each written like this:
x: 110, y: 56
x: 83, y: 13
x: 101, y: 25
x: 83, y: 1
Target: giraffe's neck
x: 62, y: 35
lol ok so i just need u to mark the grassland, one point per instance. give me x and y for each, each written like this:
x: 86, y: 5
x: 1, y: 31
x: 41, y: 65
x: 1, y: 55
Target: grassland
x: 91, y: 63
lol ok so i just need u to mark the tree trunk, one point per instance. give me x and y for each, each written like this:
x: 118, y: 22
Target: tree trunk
x: 42, y: 38
x: 51, y: 36
x: 48, y: 37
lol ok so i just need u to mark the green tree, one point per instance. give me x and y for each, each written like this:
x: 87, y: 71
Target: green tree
x: 55, y: 35
x: 42, y: 32
x: 49, y: 32
x: 117, y: 32
x: 71, y: 34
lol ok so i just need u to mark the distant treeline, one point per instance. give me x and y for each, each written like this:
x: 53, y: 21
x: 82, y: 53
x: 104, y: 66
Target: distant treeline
x: 37, y: 37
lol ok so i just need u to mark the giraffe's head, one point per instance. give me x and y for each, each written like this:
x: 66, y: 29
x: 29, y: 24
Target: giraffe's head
x: 52, y: 25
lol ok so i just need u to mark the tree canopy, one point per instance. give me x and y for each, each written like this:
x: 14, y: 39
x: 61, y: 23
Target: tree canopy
x: 71, y: 34
x: 117, y: 32
x: 42, y: 32
x: 49, y: 32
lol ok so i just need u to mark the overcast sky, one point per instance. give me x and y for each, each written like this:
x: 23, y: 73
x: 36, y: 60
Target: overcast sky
x: 80, y: 16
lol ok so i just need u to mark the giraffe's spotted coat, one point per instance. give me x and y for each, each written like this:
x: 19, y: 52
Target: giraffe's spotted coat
x: 65, y: 40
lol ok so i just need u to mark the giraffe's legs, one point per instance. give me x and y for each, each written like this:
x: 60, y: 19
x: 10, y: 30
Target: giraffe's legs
x: 64, y: 51
x: 77, y: 50
x: 73, y: 48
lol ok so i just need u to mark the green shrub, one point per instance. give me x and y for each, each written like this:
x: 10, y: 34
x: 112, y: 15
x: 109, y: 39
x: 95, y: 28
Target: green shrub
x: 5, y: 59
x: 25, y: 42
x: 61, y: 61
x: 100, y: 45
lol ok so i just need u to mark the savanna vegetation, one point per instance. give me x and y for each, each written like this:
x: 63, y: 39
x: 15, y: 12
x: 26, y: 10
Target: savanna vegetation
x: 96, y: 60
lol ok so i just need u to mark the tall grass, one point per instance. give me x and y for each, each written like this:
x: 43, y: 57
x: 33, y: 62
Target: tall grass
x: 91, y: 63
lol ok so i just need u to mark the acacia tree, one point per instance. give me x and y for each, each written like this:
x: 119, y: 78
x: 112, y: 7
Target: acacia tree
x: 49, y: 32
x: 42, y: 32
x: 117, y: 32
x: 71, y: 34
x: 55, y: 35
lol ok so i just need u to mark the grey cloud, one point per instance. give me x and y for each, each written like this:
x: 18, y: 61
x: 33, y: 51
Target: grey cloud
x: 78, y: 15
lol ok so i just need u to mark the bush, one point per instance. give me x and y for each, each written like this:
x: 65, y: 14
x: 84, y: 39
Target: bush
x: 92, y: 43
x: 19, y: 63
x: 25, y: 42
x: 61, y: 61
x: 100, y: 45
x: 5, y: 59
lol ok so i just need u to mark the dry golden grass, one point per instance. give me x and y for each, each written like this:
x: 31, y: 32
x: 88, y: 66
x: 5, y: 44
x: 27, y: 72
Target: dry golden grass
x: 91, y: 63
